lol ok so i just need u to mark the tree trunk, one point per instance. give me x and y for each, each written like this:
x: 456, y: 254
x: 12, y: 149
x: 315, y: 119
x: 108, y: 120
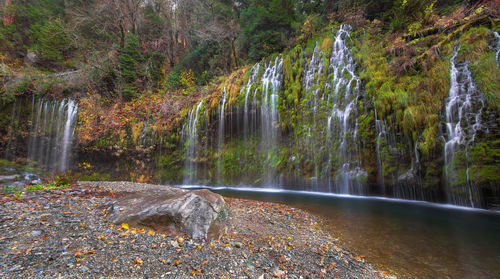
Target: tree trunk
x: 233, y: 51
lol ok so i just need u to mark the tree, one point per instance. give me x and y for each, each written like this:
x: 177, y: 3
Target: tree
x: 130, y: 61
x: 266, y: 27
x: 51, y: 41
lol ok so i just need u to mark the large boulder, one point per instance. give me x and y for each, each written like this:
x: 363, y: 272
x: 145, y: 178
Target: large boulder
x: 199, y: 213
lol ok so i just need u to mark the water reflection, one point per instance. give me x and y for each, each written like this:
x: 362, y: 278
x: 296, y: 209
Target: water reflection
x: 415, y: 240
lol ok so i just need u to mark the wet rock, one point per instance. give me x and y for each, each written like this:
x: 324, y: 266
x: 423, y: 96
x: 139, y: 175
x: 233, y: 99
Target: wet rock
x: 200, y: 213
x: 408, y: 178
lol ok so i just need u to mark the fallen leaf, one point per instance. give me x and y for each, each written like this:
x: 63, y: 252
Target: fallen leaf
x: 125, y: 226
x: 138, y: 260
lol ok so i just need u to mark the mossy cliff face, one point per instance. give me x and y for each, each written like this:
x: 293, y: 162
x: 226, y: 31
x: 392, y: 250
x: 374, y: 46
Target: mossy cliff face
x: 358, y: 112
x: 396, y: 124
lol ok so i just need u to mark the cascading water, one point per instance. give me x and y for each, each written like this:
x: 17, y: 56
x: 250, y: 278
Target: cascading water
x: 311, y: 85
x: 271, y: 84
x: 496, y: 47
x: 51, y: 135
x: 190, y: 134
x: 463, y: 118
x: 220, y: 138
x: 381, y: 139
x: 251, y: 81
x: 311, y: 80
x: 330, y: 125
x: 343, y: 94
x: 320, y: 140
x: 10, y: 149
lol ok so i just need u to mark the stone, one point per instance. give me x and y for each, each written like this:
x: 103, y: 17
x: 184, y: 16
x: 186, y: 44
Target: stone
x: 31, y: 58
x: 408, y: 178
x: 5, y: 178
x: 199, y: 213
x: 278, y: 273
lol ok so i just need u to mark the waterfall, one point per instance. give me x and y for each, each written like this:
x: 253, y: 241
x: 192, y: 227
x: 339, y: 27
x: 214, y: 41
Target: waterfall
x: 496, y: 47
x: 463, y: 110
x: 190, y: 134
x: 220, y: 139
x: 381, y: 139
x: 51, y: 133
x: 251, y: 81
x: 13, y: 132
x: 271, y: 84
x: 343, y: 94
x: 311, y: 77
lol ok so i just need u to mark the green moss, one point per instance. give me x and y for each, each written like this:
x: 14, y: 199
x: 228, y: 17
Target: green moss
x: 487, y: 75
x: 486, y: 163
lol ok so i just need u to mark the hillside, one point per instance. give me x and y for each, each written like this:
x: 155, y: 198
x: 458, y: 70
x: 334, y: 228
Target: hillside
x: 391, y: 98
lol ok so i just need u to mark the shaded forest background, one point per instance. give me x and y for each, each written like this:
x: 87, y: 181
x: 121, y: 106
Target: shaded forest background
x: 128, y: 47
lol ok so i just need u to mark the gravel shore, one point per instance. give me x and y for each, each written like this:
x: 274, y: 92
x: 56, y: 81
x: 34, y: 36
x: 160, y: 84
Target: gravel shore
x: 64, y: 233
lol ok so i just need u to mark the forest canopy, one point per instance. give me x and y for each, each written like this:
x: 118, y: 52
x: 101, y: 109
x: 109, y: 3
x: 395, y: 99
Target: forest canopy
x: 132, y: 46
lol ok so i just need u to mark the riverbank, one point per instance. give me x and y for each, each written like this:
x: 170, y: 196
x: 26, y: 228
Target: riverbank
x: 64, y: 233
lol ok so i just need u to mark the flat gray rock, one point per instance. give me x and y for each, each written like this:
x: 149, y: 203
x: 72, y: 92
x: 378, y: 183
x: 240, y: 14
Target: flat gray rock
x: 199, y: 213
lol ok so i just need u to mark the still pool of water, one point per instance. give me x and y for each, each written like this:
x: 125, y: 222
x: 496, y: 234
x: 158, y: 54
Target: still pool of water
x: 412, y: 239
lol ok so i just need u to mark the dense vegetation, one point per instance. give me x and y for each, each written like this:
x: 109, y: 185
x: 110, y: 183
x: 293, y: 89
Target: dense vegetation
x: 127, y: 47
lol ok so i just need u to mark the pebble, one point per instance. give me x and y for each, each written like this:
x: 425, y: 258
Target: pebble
x: 86, y: 242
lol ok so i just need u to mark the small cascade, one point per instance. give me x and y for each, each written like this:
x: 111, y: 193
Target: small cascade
x: 271, y: 84
x: 12, y: 132
x: 246, y: 90
x: 463, y: 118
x: 147, y: 136
x: 311, y: 77
x: 344, y: 93
x: 51, y: 134
x: 190, y: 134
x: 309, y: 141
x: 381, y: 140
x: 220, y: 138
x: 496, y: 47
